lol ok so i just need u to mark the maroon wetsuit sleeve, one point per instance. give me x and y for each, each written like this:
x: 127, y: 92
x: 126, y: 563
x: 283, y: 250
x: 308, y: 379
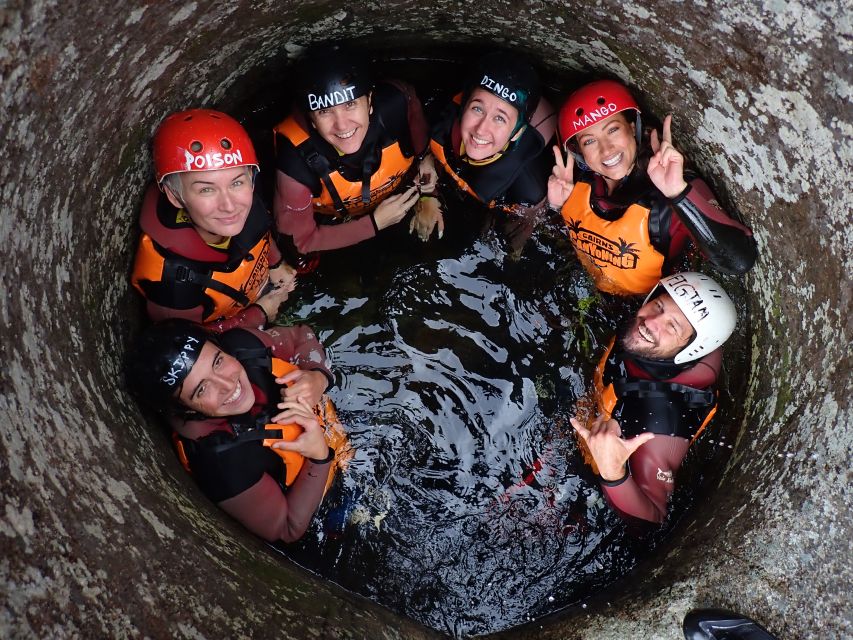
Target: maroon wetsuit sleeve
x: 275, y: 257
x: 725, y: 242
x: 297, y: 344
x: 273, y: 515
x: 249, y: 317
x: 544, y: 119
x: 644, y: 494
x: 294, y: 216
x: 418, y: 126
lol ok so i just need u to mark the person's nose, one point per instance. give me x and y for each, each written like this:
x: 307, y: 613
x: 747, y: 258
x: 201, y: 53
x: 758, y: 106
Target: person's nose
x: 226, y: 201
x: 339, y: 120
x: 482, y: 127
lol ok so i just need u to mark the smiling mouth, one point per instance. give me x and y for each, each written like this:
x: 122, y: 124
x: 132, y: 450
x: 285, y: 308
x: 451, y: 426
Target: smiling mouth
x: 645, y: 334
x: 480, y: 141
x: 612, y: 162
x: 346, y: 134
x: 237, y: 391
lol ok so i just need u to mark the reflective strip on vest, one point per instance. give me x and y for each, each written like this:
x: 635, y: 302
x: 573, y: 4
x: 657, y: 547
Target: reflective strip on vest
x: 617, y: 254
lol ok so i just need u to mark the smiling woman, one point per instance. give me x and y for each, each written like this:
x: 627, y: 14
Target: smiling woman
x: 630, y: 208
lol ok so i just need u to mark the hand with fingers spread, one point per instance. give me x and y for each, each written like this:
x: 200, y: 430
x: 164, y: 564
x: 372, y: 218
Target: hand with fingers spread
x: 608, y: 449
x: 394, y: 208
x: 304, y: 385
x: 427, y: 217
x: 666, y: 166
x: 427, y: 175
x: 561, y: 181
x: 311, y: 443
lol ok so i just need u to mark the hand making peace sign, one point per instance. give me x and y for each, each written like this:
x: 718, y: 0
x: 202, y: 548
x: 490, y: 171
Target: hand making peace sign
x: 666, y: 166
x: 561, y: 181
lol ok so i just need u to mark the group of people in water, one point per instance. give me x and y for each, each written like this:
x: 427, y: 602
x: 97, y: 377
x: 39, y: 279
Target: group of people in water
x: 246, y: 398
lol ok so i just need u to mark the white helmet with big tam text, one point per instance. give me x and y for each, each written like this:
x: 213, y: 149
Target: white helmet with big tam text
x: 708, y: 309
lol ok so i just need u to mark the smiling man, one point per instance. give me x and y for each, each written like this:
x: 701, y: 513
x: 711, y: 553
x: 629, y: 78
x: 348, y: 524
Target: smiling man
x: 206, y: 253
x: 656, y: 392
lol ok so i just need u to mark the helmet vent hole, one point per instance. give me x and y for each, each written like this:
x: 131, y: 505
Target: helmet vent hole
x: 579, y: 111
x: 601, y: 100
x: 225, y: 143
x: 196, y: 146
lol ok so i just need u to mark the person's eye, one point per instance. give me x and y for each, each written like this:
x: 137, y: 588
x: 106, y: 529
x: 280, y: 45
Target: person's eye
x: 476, y: 109
x: 613, y: 129
x: 500, y: 119
x: 588, y: 142
x: 200, y: 392
x: 351, y: 104
x: 218, y: 362
x: 237, y: 183
x: 323, y: 112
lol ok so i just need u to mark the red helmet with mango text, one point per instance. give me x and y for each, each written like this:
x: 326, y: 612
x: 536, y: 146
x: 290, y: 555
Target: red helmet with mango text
x: 594, y: 102
x: 201, y: 140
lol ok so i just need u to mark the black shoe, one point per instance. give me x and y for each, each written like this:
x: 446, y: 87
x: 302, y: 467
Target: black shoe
x: 718, y: 624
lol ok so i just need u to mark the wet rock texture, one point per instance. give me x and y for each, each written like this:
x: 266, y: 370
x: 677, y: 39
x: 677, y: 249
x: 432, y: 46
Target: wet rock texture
x: 102, y: 535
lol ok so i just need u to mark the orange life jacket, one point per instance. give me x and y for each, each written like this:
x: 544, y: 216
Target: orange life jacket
x: 618, y: 254
x: 175, y: 268
x: 337, y: 196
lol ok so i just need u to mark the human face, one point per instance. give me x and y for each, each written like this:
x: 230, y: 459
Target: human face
x: 609, y: 148
x: 217, y: 201
x: 345, y: 125
x: 217, y: 385
x: 486, y: 125
x: 659, y: 331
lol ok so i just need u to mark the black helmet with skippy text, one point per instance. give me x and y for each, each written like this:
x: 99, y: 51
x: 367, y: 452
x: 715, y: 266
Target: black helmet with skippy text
x: 332, y: 76
x: 160, y: 360
x: 510, y: 78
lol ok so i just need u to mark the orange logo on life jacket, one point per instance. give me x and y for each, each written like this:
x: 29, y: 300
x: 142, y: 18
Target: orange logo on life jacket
x: 622, y: 255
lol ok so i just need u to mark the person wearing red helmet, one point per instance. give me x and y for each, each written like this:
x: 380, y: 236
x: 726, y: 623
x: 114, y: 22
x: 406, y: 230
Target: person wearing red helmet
x: 490, y: 139
x: 206, y: 253
x: 632, y: 208
x: 346, y: 155
x: 244, y: 407
x: 655, y: 392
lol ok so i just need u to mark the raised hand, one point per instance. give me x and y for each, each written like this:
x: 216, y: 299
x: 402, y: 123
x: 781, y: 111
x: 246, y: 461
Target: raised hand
x: 394, y: 208
x: 561, y: 181
x: 666, y: 166
x: 608, y: 449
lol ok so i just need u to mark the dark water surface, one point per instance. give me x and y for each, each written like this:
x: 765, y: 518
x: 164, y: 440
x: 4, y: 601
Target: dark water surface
x: 467, y: 506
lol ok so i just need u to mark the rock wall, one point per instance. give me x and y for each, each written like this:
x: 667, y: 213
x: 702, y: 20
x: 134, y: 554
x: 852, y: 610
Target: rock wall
x: 102, y: 535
